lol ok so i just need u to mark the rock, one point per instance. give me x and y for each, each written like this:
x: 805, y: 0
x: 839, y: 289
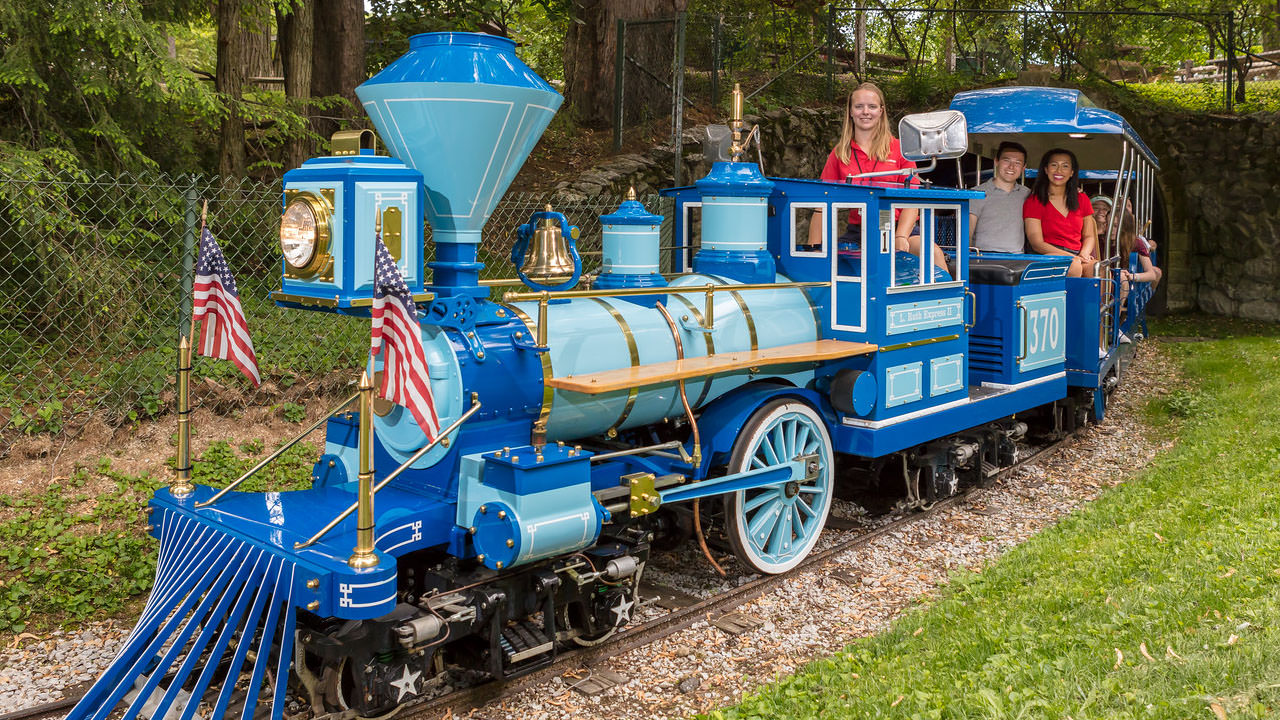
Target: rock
x: 690, y: 684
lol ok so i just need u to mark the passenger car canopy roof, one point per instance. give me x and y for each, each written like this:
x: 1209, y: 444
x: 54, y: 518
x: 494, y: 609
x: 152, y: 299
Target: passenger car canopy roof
x: 1042, y: 118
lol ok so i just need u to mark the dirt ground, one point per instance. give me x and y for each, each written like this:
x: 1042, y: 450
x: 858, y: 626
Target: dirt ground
x: 147, y: 447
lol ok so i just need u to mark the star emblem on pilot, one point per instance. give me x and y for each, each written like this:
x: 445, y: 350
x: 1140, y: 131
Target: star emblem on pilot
x: 407, y: 684
x: 623, y: 610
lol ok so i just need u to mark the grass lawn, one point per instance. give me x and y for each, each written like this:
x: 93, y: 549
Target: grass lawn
x: 79, y: 550
x: 1160, y: 600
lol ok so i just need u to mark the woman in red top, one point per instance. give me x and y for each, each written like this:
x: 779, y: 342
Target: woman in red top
x: 1058, y: 217
x: 867, y: 145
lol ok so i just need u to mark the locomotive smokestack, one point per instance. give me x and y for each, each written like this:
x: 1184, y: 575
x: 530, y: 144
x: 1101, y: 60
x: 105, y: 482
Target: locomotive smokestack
x: 464, y: 111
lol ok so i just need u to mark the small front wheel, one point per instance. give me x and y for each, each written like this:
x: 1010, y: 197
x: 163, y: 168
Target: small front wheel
x: 773, y: 528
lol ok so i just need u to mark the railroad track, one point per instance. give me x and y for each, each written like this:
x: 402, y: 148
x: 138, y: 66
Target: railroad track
x: 465, y: 700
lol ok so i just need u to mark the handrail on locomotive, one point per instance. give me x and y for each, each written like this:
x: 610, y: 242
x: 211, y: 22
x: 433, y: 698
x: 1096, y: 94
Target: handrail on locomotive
x: 279, y: 451
x: 442, y: 437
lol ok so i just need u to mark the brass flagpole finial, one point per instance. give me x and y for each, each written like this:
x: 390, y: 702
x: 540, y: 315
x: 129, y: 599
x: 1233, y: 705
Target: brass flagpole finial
x: 204, y: 215
x: 182, y: 486
x: 365, y: 556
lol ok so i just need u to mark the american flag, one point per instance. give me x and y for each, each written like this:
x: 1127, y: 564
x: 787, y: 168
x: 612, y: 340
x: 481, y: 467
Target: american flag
x: 223, y: 331
x: 396, y: 331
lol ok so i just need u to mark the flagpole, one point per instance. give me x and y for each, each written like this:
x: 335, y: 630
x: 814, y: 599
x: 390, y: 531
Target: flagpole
x: 182, y: 486
x: 204, y: 215
x: 365, y: 556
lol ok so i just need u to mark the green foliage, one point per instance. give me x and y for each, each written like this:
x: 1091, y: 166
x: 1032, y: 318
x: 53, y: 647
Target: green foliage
x: 1260, y: 96
x: 95, y: 87
x: 293, y: 412
x: 80, y: 549
x: 1181, y: 564
x: 537, y: 26
x: 69, y: 554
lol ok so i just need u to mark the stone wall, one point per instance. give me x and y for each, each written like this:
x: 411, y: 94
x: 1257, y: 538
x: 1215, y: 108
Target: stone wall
x: 1219, y: 175
x: 1220, y: 179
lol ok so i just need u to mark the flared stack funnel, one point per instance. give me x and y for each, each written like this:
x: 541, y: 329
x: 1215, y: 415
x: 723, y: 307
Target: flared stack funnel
x: 463, y: 110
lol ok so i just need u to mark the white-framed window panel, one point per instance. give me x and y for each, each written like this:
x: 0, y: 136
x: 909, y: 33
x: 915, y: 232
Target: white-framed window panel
x: 937, y: 225
x: 803, y: 214
x: 848, y: 271
x: 690, y: 232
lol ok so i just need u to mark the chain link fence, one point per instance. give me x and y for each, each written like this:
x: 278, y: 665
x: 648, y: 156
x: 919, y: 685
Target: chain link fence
x: 94, y: 295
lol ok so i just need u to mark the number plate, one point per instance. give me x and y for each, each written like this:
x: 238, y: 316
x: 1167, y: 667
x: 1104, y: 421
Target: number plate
x: 1043, y: 331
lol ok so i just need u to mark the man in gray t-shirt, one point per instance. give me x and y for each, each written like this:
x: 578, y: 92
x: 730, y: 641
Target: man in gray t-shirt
x: 995, y: 221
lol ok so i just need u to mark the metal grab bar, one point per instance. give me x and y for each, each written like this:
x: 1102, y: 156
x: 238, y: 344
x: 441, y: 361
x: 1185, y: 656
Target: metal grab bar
x: 475, y: 406
x: 267, y: 460
x: 621, y: 292
x: 1024, y: 315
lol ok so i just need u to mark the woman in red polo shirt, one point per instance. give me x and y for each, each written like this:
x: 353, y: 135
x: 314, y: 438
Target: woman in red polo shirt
x: 1058, y: 217
x: 867, y: 145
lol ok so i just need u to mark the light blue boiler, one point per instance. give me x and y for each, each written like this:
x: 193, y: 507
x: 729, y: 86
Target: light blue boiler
x: 597, y: 334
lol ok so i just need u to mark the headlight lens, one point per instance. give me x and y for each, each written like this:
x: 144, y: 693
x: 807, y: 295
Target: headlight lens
x: 304, y: 233
x: 298, y: 234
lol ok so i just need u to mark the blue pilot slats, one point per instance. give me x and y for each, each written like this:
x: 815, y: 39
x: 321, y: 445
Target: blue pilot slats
x: 212, y: 589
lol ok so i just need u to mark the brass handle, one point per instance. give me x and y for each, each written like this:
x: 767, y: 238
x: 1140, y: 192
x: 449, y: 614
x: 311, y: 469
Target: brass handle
x: 973, y: 310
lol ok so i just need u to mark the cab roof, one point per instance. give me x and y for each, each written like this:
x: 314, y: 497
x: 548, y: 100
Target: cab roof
x: 1042, y: 118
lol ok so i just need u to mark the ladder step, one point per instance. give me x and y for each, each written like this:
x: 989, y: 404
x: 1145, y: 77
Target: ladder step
x: 522, y: 641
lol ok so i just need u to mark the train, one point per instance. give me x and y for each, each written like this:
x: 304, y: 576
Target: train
x: 581, y: 426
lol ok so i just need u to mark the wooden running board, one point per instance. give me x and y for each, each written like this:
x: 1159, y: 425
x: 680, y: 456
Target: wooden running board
x: 671, y: 370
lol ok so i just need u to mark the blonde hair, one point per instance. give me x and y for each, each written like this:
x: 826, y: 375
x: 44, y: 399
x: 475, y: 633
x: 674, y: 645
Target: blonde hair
x: 880, y: 136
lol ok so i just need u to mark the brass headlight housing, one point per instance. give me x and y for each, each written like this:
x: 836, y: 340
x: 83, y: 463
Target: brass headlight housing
x: 304, y: 234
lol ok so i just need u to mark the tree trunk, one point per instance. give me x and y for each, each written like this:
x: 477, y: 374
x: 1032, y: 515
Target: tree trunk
x: 230, y: 85
x: 339, y: 68
x: 296, y: 32
x: 258, y: 59
x: 590, y: 50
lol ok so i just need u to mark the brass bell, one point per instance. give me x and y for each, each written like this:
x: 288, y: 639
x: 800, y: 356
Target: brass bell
x: 547, y: 259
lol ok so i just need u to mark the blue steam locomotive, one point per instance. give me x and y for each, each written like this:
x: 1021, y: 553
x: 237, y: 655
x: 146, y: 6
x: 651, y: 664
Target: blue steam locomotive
x: 579, y: 424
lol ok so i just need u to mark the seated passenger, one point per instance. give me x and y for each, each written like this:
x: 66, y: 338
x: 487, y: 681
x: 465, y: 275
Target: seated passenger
x: 1150, y: 244
x: 1131, y: 241
x: 867, y: 145
x: 1058, y: 217
x: 995, y: 221
x: 1101, y: 214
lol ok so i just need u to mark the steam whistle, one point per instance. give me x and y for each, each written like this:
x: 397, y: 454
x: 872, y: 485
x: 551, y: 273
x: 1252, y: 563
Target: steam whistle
x: 740, y: 143
x: 736, y: 124
x: 546, y: 252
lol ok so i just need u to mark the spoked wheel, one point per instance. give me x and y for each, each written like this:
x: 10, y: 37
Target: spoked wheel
x: 773, y: 528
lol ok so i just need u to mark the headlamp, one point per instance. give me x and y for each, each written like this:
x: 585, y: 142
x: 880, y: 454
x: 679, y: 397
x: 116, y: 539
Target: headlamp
x: 304, y: 234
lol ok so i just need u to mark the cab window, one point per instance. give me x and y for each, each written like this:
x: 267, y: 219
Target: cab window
x: 809, y: 230
x: 932, y: 239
